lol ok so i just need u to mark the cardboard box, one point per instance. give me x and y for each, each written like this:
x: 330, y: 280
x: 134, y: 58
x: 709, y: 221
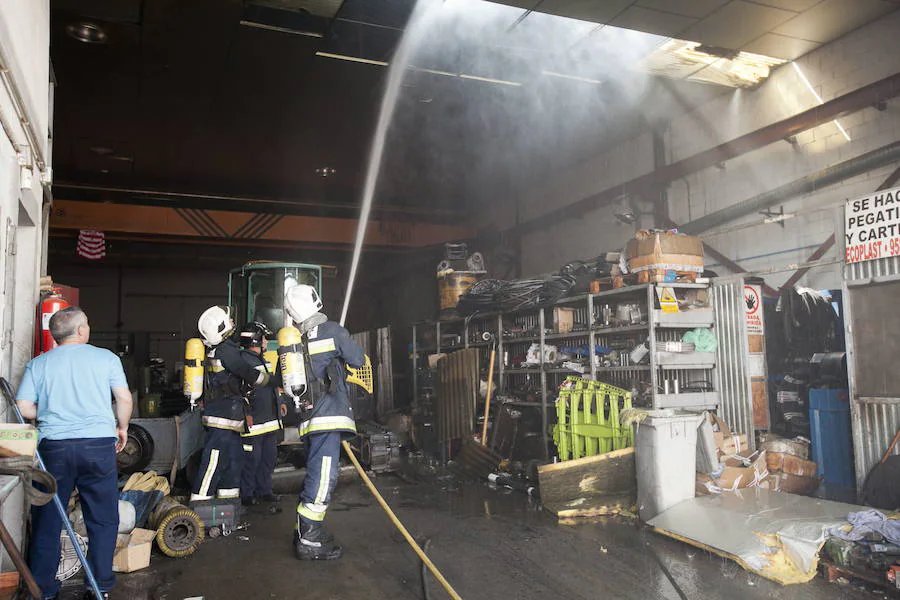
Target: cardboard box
x: 17, y: 440
x: 664, y: 251
x: 728, y: 443
x: 739, y: 474
x: 563, y: 319
x: 796, y: 448
x: 666, y: 276
x: 791, y: 465
x: 792, y: 484
x: 133, y: 550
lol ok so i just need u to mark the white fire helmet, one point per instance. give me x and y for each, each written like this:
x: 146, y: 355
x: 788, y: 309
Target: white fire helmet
x: 215, y: 324
x: 302, y: 302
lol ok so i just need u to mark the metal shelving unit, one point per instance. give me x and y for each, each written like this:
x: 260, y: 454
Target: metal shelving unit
x: 693, y: 370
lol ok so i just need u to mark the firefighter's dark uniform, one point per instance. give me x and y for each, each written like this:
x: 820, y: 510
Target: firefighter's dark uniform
x: 330, y: 347
x: 260, y: 441
x: 223, y: 416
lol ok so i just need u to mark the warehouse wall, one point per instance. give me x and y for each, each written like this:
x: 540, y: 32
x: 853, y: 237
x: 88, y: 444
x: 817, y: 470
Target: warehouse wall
x: 598, y: 231
x: 25, y: 47
x: 860, y: 58
x: 162, y: 302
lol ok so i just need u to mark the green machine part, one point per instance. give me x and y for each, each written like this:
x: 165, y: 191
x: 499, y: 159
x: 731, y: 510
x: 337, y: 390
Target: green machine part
x: 588, y: 419
x: 256, y: 291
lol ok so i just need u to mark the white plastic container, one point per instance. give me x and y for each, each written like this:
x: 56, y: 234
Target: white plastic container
x: 665, y: 455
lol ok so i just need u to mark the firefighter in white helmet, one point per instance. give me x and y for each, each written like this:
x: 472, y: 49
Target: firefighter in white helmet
x: 330, y: 419
x: 229, y: 379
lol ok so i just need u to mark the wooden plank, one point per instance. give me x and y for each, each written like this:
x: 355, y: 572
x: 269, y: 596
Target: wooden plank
x: 602, y: 484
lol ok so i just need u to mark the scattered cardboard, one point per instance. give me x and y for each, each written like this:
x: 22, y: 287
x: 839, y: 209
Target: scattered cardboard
x: 17, y: 440
x: 740, y: 473
x: 791, y: 484
x: 798, y: 447
x: 728, y: 443
x: 791, y: 465
x: 133, y: 550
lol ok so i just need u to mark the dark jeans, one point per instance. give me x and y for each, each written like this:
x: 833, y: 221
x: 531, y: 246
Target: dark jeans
x: 88, y: 464
x: 259, y: 464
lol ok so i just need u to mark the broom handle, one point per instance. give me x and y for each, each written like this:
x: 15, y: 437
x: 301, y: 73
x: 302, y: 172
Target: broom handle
x: 487, y: 400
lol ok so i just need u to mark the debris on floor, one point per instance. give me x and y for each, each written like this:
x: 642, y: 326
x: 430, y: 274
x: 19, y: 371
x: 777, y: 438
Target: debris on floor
x: 775, y: 535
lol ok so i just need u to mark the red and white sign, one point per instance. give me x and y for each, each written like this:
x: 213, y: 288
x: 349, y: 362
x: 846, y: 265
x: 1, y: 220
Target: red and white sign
x: 753, y: 309
x: 872, y: 226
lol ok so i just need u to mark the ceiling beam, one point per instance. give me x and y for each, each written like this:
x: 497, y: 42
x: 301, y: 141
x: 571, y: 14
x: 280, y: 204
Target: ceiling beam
x: 854, y: 101
x: 283, y: 205
x: 229, y: 227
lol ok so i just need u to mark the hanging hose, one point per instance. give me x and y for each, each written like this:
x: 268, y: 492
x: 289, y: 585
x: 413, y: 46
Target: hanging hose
x: 409, y: 539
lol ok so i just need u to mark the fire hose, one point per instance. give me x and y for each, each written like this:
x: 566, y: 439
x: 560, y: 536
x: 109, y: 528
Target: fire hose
x: 390, y: 513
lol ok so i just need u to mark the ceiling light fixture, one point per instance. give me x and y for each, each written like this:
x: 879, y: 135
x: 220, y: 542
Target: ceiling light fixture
x: 326, y: 171
x: 303, y: 33
x: 356, y: 59
x: 490, y: 80
x: 89, y: 33
x: 572, y: 77
x: 818, y: 97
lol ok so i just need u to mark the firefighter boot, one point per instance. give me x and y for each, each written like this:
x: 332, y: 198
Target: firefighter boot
x: 315, y: 543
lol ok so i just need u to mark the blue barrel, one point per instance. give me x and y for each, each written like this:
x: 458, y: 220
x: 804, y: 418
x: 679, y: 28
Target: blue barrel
x: 832, y: 442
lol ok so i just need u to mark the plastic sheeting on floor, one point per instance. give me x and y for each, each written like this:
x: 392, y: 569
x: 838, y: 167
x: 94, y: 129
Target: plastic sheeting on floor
x: 773, y: 534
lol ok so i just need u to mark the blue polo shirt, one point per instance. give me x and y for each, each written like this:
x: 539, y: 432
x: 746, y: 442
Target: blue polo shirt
x: 72, y: 387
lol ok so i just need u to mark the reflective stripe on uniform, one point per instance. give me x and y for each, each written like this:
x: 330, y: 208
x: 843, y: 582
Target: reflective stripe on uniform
x: 262, y: 428
x: 214, y: 365
x: 319, y: 424
x: 229, y: 493
x: 248, y: 447
x: 223, y: 423
x: 324, y: 479
x: 210, y: 469
x: 321, y: 346
x: 313, y: 512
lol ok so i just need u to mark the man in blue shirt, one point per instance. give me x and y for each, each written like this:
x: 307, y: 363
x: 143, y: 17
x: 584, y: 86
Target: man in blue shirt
x: 68, y: 391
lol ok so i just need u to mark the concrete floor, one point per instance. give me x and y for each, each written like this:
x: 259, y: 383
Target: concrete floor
x: 488, y: 543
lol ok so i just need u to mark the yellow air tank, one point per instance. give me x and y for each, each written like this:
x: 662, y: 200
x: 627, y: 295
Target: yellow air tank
x: 194, y: 355
x: 290, y: 361
x: 271, y: 358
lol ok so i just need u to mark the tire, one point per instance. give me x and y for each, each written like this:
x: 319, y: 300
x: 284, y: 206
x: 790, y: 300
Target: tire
x: 137, y: 453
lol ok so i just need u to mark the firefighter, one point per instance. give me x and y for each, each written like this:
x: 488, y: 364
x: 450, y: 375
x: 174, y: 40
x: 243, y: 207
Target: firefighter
x: 326, y: 422
x: 264, y: 420
x: 229, y: 384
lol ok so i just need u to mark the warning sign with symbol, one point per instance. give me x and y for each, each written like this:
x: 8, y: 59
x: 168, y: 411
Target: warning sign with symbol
x: 667, y: 301
x: 753, y: 309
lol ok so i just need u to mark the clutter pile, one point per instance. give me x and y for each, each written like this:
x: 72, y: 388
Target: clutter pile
x: 724, y: 462
x: 868, y: 546
x: 146, y: 513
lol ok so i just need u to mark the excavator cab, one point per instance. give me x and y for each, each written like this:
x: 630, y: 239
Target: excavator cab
x: 256, y: 291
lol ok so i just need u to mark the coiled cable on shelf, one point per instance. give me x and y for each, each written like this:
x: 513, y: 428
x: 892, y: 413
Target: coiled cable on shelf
x: 504, y: 296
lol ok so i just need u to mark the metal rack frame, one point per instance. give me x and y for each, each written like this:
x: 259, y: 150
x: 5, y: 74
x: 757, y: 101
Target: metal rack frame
x: 655, y: 323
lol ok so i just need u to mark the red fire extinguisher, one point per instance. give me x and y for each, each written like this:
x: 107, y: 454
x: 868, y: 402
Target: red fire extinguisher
x: 50, y: 304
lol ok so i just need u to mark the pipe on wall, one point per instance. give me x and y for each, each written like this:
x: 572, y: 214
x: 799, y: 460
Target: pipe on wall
x: 810, y: 183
